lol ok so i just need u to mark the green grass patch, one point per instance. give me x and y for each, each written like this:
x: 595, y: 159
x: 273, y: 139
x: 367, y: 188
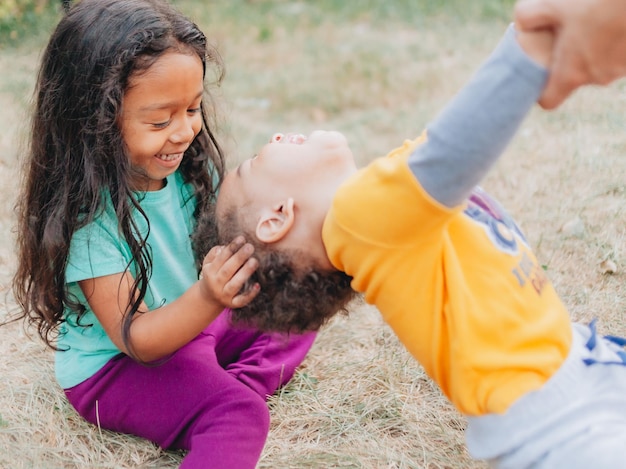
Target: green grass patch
x: 27, y: 21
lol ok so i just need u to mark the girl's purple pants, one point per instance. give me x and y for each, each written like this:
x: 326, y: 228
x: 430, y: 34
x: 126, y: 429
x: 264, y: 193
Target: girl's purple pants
x: 208, y: 397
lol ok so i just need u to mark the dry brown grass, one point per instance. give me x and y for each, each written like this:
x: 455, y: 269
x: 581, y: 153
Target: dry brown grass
x: 359, y: 401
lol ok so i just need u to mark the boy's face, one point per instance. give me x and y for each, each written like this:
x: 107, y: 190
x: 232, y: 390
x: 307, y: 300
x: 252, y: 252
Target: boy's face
x: 307, y: 169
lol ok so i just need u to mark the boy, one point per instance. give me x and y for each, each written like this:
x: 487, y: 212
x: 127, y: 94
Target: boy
x: 448, y: 269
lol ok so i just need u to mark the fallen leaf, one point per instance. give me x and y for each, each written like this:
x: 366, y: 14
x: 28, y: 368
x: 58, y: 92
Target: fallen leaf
x: 608, y: 267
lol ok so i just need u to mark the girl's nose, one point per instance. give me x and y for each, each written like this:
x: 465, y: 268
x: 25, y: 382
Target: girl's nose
x: 184, y: 131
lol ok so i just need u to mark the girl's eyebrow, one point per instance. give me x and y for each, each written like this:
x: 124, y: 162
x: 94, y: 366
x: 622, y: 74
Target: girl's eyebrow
x: 166, y: 105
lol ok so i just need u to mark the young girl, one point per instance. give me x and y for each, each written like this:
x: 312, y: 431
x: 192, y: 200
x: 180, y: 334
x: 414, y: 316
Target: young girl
x: 121, y: 162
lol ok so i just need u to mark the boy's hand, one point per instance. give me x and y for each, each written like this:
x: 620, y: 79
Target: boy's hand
x: 225, y: 270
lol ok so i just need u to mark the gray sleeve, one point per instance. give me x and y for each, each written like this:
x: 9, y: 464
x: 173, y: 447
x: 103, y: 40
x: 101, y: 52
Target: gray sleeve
x: 469, y: 135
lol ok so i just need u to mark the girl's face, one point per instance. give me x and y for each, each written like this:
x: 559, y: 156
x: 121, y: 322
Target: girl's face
x: 161, y: 116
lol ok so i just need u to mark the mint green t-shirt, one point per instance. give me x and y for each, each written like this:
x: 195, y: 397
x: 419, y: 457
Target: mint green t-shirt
x: 99, y: 249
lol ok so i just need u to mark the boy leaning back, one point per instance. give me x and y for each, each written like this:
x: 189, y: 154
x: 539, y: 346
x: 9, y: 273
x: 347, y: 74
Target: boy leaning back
x: 448, y: 269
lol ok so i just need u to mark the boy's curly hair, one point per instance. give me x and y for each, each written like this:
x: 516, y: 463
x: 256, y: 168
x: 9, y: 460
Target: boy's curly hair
x: 292, y: 298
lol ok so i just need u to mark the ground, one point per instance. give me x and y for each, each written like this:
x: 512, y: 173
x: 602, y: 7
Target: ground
x: 359, y: 401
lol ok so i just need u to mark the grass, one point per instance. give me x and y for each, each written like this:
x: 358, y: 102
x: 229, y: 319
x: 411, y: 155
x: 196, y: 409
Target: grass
x: 378, y: 71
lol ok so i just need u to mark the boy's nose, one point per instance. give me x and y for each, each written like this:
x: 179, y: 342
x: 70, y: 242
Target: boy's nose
x: 288, y: 138
x: 278, y: 137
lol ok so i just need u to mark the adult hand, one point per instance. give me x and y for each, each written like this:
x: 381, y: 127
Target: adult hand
x: 590, y: 43
x: 225, y: 270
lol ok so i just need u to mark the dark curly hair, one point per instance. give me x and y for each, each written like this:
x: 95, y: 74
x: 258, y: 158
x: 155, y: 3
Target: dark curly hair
x: 294, y: 296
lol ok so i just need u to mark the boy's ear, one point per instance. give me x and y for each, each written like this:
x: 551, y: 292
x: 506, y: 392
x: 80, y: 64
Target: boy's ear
x: 275, y: 222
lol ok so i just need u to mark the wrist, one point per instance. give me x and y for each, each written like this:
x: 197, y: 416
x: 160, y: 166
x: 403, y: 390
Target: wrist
x: 205, y: 296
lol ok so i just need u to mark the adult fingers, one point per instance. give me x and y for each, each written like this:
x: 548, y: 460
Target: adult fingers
x: 535, y: 14
x: 567, y: 73
x: 555, y: 93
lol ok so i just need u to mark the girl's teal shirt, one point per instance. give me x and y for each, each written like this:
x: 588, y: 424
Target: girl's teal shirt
x: 98, y: 249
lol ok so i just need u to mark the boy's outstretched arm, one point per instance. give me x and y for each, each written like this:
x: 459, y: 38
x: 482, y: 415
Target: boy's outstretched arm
x: 468, y: 136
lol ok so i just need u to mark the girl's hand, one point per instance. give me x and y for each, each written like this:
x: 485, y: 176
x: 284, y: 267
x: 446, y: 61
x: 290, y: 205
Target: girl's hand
x: 225, y: 270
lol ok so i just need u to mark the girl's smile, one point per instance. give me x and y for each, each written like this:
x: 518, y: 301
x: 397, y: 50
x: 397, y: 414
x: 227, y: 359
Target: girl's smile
x: 170, y: 158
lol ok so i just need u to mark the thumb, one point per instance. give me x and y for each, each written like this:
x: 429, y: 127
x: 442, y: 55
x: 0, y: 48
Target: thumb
x: 561, y: 84
x: 535, y: 14
x: 554, y: 94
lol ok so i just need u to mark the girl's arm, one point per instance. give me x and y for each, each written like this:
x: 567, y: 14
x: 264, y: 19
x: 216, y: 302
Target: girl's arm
x: 162, y: 331
x: 472, y: 131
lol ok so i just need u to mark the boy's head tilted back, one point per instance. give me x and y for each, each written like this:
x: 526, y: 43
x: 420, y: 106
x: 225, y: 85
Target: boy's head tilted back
x: 278, y: 200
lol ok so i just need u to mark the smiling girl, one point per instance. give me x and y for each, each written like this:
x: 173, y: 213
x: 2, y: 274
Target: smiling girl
x: 122, y: 160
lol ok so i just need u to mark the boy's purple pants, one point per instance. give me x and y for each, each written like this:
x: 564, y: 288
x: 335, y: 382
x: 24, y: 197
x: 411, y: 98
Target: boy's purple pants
x: 209, y: 397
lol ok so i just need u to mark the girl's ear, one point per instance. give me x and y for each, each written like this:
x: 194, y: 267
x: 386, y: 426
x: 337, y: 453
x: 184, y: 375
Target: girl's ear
x: 275, y: 222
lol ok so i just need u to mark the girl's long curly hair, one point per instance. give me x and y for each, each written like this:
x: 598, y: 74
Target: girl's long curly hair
x: 295, y: 295
x: 77, y: 153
